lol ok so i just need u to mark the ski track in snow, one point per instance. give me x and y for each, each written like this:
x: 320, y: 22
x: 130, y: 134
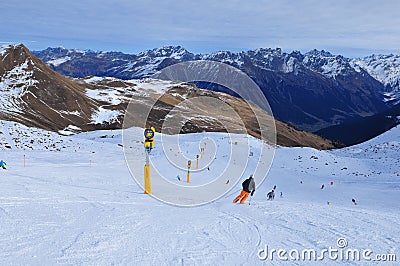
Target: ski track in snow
x: 80, y: 206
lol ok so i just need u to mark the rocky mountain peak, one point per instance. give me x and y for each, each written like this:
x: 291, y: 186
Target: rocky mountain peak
x: 34, y: 94
x: 175, y: 52
x: 327, y: 64
x: 319, y: 53
x: 384, y: 68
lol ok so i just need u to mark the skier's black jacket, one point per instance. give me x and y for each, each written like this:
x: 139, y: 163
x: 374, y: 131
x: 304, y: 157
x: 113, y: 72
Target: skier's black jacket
x: 249, y: 185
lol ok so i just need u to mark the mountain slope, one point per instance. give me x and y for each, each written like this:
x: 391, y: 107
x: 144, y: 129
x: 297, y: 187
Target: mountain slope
x: 310, y: 91
x: 361, y: 130
x: 314, y: 90
x: 386, y: 69
x: 35, y: 95
x: 79, y: 64
x: 195, y: 115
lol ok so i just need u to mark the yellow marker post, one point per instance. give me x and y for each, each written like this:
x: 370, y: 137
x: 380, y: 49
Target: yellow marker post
x: 147, y: 184
x: 148, y: 146
x: 197, y: 161
x: 188, y: 172
x: 201, y: 152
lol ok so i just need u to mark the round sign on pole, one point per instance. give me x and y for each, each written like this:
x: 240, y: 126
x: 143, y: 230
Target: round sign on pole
x: 148, y: 133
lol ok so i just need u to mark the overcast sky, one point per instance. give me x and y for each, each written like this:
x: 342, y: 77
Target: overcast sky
x: 352, y: 28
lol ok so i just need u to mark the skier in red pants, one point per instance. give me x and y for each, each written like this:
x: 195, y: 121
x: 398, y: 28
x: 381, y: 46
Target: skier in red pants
x: 249, y: 186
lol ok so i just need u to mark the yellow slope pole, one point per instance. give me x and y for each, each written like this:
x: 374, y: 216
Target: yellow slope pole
x: 148, y: 145
x: 147, y: 184
x: 188, y: 172
x: 188, y: 176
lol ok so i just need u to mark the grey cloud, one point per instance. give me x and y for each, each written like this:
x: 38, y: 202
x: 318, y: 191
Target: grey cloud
x: 112, y: 25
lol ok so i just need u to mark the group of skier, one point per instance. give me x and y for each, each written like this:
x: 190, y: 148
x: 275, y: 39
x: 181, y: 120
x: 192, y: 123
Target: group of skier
x: 248, y: 188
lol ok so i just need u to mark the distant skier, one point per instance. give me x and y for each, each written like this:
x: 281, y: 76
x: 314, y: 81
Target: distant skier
x: 249, y: 186
x: 354, y: 201
x: 322, y: 187
x: 271, y: 195
x: 274, y: 187
x: 3, y: 164
x: 281, y: 194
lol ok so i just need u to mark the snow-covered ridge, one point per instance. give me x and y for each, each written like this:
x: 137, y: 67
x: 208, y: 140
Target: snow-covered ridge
x: 321, y: 62
x: 146, y: 63
x: 317, y: 74
x: 114, y: 96
x: 107, y: 95
x: 156, y: 85
x: 105, y: 115
x: 235, y: 59
x: 59, y: 61
x: 326, y: 63
x: 13, y: 86
x: 384, y: 68
x: 3, y: 49
x: 175, y: 52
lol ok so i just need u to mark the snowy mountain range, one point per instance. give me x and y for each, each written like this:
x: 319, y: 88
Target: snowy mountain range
x: 35, y: 95
x: 311, y: 91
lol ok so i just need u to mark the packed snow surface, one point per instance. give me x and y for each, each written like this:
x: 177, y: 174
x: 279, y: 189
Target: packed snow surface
x: 71, y: 200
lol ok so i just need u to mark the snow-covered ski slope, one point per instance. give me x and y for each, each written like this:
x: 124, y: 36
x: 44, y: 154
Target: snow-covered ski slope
x: 75, y: 203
